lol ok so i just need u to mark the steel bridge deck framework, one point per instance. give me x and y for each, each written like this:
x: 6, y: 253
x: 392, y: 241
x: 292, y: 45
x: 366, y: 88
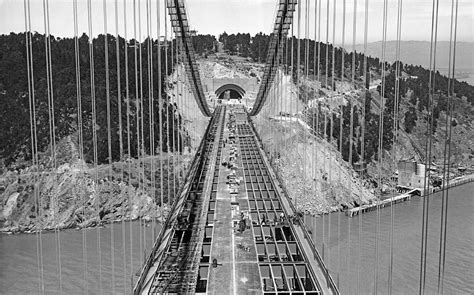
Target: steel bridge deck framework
x: 269, y: 257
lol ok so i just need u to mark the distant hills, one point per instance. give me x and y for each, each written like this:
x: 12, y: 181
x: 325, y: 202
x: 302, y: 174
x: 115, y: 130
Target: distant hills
x: 418, y: 53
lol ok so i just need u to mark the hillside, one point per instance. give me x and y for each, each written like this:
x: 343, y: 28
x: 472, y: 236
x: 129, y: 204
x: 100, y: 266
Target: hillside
x: 76, y: 192
x: 79, y: 195
x: 288, y: 140
x: 71, y: 191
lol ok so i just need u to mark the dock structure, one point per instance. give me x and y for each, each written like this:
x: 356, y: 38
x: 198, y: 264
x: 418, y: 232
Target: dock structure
x: 406, y: 196
x: 234, y: 232
x: 382, y: 203
x: 455, y: 182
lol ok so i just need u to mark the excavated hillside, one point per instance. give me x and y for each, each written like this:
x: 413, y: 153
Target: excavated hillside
x: 76, y: 194
x: 316, y: 177
x: 303, y: 159
x: 291, y: 148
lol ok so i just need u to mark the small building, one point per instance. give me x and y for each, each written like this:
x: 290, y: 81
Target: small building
x: 360, y: 167
x: 411, y: 174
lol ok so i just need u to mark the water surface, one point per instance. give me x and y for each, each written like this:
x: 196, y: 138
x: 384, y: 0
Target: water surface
x: 350, y: 249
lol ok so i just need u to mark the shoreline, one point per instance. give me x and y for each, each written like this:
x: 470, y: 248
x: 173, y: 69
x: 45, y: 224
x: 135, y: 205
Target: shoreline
x: 145, y: 220
x: 466, y: 179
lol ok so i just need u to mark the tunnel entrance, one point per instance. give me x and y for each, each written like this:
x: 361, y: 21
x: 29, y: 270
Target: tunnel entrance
x: 230, y: 91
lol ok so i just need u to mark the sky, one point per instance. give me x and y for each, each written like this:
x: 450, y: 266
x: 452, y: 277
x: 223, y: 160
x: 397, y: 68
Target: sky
x: 249, y: 16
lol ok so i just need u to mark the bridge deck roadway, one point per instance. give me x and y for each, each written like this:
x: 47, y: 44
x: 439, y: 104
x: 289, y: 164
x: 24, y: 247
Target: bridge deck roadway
x: 237, y: 271
x: 250, y: 243
x: 270, y: 256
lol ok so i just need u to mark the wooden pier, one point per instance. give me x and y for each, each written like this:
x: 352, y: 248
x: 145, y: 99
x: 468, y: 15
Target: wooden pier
x: 382, y: 204
x: 405, y: 197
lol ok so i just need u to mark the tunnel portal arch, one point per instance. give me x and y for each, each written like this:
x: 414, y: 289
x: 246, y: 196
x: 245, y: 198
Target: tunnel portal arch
x: 235, y: 91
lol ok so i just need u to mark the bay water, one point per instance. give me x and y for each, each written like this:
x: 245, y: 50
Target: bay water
x: 356, y: 250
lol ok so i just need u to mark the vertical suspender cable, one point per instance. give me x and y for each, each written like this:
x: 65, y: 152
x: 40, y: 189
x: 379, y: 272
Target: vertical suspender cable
x: 94, y: 135
x: 80, y: 136
x: 178, y: 110
x: 119, y: 108
x: 137, y: 120
x: 447, y: 147
x: 34, y: 143
x: 283, y: 85
x: 109, y: 134
x: 351, y: 130
x: 141, y: 142
x: 333, y: 85
x: 167, y: 110
x: 426, y: 187
x: 319, y: 44
x: 297, y: 82
x: 325, y: 118
x: 290, y: 79
x: 306, y: 113
x: 159, y: 102
x: 52, y: 134
x: 380, y: 147
x: 327, y: 52
x: 149, y: 184
x: 129, y: 143
x: 58, y: 236
x: 341, y: 119
x: 137, y: 116
x: 314, y: 130
x: 318, y: 106
x: 151, y: 112
x: 172, y: 113
x: 331, y: 118
x: 395, y: 136
x: 362, y: 142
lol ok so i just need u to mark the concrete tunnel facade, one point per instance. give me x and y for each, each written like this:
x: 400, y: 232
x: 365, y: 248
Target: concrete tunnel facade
x: 235, y: 91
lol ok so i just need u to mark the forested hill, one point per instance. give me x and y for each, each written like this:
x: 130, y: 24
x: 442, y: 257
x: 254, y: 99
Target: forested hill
x: 414, y: 92
x: 255, y: 47
x: 15, y: 139
x: 15, y: 142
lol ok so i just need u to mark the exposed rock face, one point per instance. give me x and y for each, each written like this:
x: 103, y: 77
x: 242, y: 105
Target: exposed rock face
x: 73, y: 193
x: 312, y: 171
x: 73, y: 197
x: 76, y: 194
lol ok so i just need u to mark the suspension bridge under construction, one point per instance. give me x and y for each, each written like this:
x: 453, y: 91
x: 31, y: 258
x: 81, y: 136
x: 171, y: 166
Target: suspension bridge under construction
x: 231, y: 230
x: 229, y: 223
